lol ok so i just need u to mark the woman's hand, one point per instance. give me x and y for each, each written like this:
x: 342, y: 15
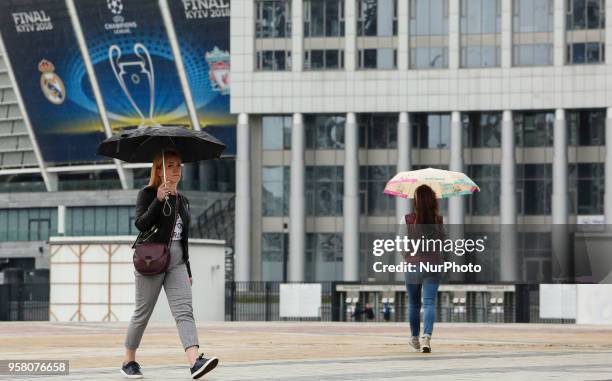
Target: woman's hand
x: 191, y: 281
x: 163, y: 190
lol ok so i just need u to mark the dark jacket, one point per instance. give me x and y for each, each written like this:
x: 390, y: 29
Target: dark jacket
x: 149, y: 216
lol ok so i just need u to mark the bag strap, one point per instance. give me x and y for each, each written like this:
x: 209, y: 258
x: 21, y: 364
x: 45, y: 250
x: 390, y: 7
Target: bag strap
x: 176, y: 213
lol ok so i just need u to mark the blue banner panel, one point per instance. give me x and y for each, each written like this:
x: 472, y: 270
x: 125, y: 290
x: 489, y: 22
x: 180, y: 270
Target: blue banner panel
x: 203, y: 33
x: 50, y: 74
x: 133, y: 62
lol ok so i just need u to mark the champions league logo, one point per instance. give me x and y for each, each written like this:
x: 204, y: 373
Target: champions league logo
x: 219, y: 70
x: 51, y: 84
x: 136, y: 77
x: 115, y: 6
x: 119, y: 25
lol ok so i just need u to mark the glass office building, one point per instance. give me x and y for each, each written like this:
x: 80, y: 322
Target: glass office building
x: 512, y: 92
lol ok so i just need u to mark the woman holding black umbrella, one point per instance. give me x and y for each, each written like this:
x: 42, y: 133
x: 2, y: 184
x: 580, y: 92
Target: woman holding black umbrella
x: 159, y: 220
x: 161, y: 255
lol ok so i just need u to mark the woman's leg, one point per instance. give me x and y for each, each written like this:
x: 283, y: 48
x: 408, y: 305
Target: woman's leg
x: 147, y: 292
x: 414, y: 308
x: 430, y: 291
x: 178, y: 291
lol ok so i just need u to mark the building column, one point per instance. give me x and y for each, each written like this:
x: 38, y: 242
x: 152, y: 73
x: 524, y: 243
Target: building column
x: 350, y: 33
x: 506, y: 34
x: 559, y: 32
x: 403, y: 37
x: 608, y: 170
x: 507, y: 211
x: 297, y: 35
x: 242, y: 246
x: 297, y: 203
x: 560, y: 197
x: 453, y: 35
x: 404, y: 148
x: 456, y: 204
x: 351, y: 199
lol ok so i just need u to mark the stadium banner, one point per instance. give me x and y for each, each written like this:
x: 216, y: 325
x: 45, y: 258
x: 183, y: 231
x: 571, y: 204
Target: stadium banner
x: 133, y: 62
x: 202, y: 28
x: 50, y: 74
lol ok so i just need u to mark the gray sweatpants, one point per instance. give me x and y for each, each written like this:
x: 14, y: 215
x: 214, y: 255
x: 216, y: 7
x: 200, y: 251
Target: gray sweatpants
x: 178, y: 291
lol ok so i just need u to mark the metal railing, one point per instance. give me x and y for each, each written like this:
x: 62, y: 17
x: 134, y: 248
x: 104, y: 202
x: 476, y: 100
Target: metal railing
x: 24, y: 302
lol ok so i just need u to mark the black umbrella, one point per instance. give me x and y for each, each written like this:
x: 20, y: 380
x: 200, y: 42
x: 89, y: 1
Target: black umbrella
x: 141, y: 145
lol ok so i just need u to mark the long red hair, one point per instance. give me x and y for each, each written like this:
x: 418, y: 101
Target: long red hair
x: 425, y: 205
x: 155, y: 179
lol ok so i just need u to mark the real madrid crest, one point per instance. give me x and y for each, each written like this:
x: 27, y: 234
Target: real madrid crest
x: 51, y: 84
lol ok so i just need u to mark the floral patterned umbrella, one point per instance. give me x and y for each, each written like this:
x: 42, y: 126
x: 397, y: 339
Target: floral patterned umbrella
x: 444, y: 183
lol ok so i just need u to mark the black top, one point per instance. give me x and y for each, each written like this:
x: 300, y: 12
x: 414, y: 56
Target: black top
x: 149, y: 215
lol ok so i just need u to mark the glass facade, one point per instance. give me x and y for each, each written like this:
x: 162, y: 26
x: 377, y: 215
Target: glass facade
x: 377, y: 34
x: 534, y: 128
x: 428, y: 34
x: 532, y: 32
x: 100, y: 220
x: 534, y: 188
x: 276, y: 132
x: 585, y: 25
x: 273, y: 34
x: 275, y: 191
x: 324, y: 131
x: 430, y: 131
x: 481, y: 129
x: 323, y: 34
x: 324, y: 190
x: 274, y: 256
x: 323, y: 257
x: 377, y: 131
x: 27, y: 224
x: 372, y: 181
x: 480, y: 33
x: 586, y: 127
x: 586, y: 186
x: 486, y: 201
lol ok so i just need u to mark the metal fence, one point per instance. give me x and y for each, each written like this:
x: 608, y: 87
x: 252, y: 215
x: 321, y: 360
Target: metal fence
x: 24, y: 302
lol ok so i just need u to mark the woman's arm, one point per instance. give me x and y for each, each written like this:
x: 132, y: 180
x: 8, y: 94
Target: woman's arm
x: 147, y: 211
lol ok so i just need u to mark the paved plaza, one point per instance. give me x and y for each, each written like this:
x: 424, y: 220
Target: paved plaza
x: 323, y: 351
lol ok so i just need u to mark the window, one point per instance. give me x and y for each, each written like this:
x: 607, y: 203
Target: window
x: 376, y: 34
x: 273, y: 35
x: 323, y: 59
x: 585, y: 48
x: 27, y: 224
x: 586, y: 127
x: 586, y: 184
x: 486, y: 201
x: 324, y: 190
x: 372, y: 181
x: 534, y: 129
x: 430, y: 130
x: 532, y: 33
x: 276, y: 132
x: 324, y: 131
x: 534, y: 186
x: 275, y: 190
x: 377, y: 131
x: 482, y: 129
x: 100, y: 220
x: 274, y: 256
x: 428, y: 34
x: 324, y: 257
x: 480, y: 33
x: 323, y: 18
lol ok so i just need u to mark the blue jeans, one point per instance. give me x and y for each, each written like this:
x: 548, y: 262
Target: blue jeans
x: 429, y: 289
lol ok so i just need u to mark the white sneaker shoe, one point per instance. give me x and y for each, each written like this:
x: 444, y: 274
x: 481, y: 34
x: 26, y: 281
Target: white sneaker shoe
x: 426, y: 345
x: 414, y: 343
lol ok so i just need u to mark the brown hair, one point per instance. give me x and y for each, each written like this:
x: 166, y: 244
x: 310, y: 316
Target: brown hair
x: 156, y: 180
x: 425, y: 205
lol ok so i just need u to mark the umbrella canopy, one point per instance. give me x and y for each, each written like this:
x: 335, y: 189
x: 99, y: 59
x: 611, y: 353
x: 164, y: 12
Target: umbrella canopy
x: 444, y: 183
x: 141, y: 145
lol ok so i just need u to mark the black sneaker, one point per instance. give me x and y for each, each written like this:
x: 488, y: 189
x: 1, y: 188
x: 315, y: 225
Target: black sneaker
x: 131, y: 370
x: 203, y: 366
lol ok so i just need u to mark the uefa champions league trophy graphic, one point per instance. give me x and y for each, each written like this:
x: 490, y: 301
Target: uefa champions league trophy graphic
x: 132, y: 77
